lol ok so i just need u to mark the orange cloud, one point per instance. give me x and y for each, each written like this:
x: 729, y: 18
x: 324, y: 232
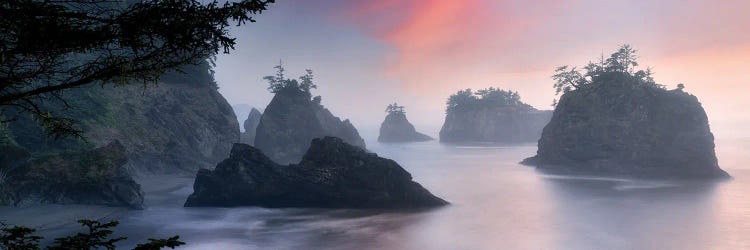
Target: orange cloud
x: 445, y: 43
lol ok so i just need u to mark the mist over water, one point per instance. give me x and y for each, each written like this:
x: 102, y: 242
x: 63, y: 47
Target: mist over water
x: 496, y: 204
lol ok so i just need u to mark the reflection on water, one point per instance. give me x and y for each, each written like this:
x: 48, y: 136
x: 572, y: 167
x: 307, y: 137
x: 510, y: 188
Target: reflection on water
x: 496, y: 204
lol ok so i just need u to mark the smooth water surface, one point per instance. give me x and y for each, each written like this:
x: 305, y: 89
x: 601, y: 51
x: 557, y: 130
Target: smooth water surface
x: 496, y: 204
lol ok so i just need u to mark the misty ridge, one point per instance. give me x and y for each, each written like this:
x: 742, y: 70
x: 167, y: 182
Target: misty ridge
x: 115, y: 133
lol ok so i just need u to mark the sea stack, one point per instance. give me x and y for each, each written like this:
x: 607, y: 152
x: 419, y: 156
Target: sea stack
x: 491, y: 115
x: 332, y: 174
x: 250, y: 125
x: 294, y: 118
x: 620, y: 122
x: 396, y: 128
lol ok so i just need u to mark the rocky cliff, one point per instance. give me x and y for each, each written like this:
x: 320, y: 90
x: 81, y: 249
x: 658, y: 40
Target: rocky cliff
x: 396, y: 128
x: 484, y: 120
x: 621, y: 125
x: 250, y: 125
x: 292, y: 120
x: 95, y: 177
x: 178, y: 126
x: 332, y: 174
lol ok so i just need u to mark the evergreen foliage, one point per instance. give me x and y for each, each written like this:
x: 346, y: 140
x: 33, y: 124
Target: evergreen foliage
x: 279, y: 82
x: 624, y: 61
x: 489, y: 97
x: 395, y: 109
x: 47, y: 47
x: 97, y: 236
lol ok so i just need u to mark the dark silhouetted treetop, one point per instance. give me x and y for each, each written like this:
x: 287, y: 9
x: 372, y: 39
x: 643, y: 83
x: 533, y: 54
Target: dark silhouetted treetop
x: 278, y: 82
x: 97, y: 236
x: 489, y: 97
x: 680, y: 86
x: 47, y: 47
x: 395, y: 109
x: 622, y: 62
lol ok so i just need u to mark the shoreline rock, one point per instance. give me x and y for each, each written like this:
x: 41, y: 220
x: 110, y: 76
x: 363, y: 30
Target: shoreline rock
x: 176, y: 127
x: 332, y: 174
x: 96, y: 177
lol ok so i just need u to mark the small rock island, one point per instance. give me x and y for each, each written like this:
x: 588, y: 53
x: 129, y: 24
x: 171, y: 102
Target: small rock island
x: 332, y: 174
x: 250, y: 125
x: 491, y: 115
x: 396, y: 128
x: 294, y: 117
x: 615, y: 120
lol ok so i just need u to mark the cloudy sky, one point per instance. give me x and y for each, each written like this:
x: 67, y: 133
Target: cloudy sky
x: 366, y: 54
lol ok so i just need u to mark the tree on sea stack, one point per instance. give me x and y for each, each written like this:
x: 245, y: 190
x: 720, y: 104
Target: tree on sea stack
x: 624, y: 60
x: 47, y: 47
x: 278, y: 82
x: 395, y: 109
x: 614, y: 119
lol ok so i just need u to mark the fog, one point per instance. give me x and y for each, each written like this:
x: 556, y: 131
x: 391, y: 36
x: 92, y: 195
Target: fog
x: 366, y: 55
x: 607, y: 172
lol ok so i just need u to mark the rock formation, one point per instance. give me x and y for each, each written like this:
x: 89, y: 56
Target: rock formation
x: 250, y: 125
x: 486, y: 119
x: 396, y: 128
x: 95, y: 177
x: 177, y: 126
x: 619, y: 124
x: 292, y: 119
x: 241, y: 111
x: 332, y: 174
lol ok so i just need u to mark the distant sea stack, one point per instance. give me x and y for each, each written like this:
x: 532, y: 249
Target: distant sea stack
x: 332, y: 174
x: 491, y: 115
x: 396, y: 128
x: 250, y: 125
x: 618, y: 121
x: 294, y: 118
x: 241, y: 111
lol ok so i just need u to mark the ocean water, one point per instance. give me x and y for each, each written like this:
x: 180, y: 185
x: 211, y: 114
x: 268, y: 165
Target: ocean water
x: 495, y: 204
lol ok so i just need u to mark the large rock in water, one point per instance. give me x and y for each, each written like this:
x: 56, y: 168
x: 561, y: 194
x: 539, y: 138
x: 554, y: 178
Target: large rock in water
x: 292, y: 119
x: 178, y: 126
x: 95, y: 177
x: 332, y: 174
x: 501, y: 124
x: 396, y: 128
x: 618, y: 125
x: 250, y: 125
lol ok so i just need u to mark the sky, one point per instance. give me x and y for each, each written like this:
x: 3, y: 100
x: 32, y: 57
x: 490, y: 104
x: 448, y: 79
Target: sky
x: 366, y: 54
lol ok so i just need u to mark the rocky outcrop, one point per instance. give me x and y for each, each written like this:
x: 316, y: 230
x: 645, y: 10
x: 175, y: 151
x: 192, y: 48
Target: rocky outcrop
x: 396, y: 128
x: 292, y: 119
x: 500, y: 124
x: 332, y: 174
x: 96, y: 177
x: 177, y: 126
x: 620, y: 125
x: 241, y: 111
x: 250, y: 125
